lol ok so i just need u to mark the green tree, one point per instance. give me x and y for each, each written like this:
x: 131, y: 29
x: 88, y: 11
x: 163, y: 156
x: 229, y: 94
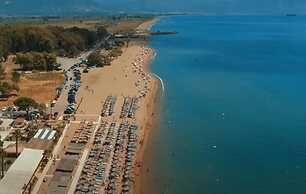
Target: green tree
x: 2, y: 70
x: 1, y: 54
x: 36, y: 61
x: 25, y: 61
x: 50, y: 61
x: 16, y: 77
x: 42, y: 108
x: 25, y: 103
x: 39, y: 61
x: 101, y: 32
x: 95, y: 59
x: 6, y: 88
x: 24, y: 38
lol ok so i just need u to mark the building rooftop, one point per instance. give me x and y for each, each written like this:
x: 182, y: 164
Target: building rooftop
x: 45, y: 134
x: 21, y: 171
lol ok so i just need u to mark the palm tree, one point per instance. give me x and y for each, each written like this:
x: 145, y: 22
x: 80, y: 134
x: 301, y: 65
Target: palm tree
x: 2, y: 158
x: 17, y: 134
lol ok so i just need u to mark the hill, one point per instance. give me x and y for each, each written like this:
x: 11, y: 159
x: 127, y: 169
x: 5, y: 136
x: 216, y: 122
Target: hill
x: 92, y: 7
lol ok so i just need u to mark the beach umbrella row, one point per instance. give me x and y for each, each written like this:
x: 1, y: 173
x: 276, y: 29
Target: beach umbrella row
x: 110, y: 163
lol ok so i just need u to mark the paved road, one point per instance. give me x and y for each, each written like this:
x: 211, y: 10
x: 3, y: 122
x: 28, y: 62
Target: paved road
x: 67, y: 63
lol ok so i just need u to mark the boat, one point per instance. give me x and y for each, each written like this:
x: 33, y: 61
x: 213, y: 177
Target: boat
x: 290, y: 15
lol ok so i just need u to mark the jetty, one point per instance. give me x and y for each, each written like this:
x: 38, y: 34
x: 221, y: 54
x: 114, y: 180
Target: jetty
x: 142, y: 34
x: 163, y: 33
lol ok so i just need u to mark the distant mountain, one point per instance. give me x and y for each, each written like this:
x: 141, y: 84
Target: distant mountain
x: 219, y: 7
x: 47, y: 7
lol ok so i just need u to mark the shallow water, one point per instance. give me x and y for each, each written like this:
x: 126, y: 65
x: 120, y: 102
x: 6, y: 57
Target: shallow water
x: 234, y: 111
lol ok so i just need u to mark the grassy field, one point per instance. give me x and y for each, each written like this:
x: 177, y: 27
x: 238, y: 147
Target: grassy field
x: 90, y: 24
x: 39, y: 86
x: 125, y: 25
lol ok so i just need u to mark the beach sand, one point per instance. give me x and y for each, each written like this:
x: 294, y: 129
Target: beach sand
x: 125, y: 78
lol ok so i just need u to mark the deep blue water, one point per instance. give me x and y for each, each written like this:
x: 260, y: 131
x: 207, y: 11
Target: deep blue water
x: 234, y: 110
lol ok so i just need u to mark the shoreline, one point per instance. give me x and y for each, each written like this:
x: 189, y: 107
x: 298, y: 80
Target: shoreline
x: 150, y: 123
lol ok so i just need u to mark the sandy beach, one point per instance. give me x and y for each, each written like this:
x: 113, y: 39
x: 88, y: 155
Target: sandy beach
x: 127, y: 76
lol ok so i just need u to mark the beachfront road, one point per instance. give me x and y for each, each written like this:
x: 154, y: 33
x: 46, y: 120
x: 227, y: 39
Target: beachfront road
x: 67, y: 63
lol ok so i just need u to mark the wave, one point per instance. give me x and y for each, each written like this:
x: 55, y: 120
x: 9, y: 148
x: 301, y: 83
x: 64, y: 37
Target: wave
x: 161, y: 81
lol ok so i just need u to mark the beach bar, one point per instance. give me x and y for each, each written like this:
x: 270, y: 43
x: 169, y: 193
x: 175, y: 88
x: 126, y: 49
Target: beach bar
x: 21, y: 172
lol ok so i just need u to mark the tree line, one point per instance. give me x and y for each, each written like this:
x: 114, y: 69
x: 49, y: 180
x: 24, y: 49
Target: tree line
x: 63, y: 41
x: 41, y: 61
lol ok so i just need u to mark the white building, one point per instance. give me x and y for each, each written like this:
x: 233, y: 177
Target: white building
x: 21, y: 172
x: 6, y: 124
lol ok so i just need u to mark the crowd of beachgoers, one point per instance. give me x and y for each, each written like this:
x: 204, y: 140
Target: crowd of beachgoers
x: 144, y: 79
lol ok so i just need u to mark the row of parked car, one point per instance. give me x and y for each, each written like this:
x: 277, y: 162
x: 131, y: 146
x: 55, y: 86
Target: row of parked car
x: 74, y: 87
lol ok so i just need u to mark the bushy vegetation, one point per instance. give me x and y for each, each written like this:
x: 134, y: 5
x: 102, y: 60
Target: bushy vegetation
x: 16, y: 77
x: 6, y: 88
x: 95, y: 59
x: 115, y: 52
x: 2, y: 70
x: 25, y: 103
x: 99, y: 60
x: 67, y: 41
x: 36, y: 61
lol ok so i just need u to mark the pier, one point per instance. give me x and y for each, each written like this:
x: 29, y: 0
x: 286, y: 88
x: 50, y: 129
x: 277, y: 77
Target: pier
x: 143, y: 33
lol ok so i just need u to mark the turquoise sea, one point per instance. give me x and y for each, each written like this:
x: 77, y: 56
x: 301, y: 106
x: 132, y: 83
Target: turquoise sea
x: 233, y: 116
